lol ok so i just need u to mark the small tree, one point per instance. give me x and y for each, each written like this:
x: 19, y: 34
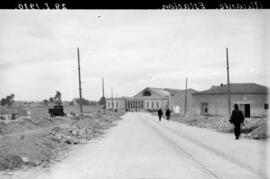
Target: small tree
x: 45, y: 102
x: 58, y: 98
x: 9, y: 100
x: 102, y: 101
x: 51, y: 100
x: 84, y: 101
x: 71, y: 103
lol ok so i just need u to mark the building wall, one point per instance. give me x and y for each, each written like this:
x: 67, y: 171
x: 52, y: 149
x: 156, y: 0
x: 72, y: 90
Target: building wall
x: 157, y: 103
x: 154, y: 102
x: 179, y: 100
x: 162, y: 103
x: 117, y: 104
x: 218, y: 103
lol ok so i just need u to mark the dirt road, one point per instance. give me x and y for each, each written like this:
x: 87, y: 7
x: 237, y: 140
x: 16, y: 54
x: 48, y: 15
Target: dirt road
x: 140, y: 147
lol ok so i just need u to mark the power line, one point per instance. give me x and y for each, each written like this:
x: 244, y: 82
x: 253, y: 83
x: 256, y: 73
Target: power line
x: 180, y: 26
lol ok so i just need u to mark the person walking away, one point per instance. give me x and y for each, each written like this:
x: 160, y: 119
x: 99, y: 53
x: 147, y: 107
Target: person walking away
x: 237, y: 118
x: 160, y: 113
x: 168, y: 113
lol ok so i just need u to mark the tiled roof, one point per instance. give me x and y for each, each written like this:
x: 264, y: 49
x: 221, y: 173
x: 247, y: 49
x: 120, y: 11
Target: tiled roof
x: 170, y: 91
x: 236, y: 88
x: 176, y: 91
x: 161, y: 92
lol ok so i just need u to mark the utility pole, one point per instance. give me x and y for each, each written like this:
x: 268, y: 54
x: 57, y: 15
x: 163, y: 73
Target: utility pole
x: 186, y: 97
x: 112, y: 99
x: 80, y: 87
x: 19, y: 101
x: 228, y: 83
x: 103, y: 96
x: 102, y: 87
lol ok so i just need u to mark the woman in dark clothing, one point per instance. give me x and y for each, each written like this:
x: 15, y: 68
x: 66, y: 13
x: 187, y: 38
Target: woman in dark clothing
x: 168, y: 113
x: 160, y: 113
x: 237, y: 118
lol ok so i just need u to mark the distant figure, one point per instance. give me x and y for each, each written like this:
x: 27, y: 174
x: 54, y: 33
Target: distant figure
x: 168, y: 113
x: 237, y: 118
x: 160, y: 113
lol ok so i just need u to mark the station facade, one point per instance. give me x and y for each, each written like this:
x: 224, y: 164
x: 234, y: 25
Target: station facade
x: 151, y: 99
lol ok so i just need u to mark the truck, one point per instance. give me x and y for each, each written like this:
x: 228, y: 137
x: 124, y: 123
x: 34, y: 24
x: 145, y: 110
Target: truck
x: 57, y: 110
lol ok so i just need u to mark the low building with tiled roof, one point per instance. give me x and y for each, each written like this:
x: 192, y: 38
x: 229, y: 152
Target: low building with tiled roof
x: 251, y: 97
x: 12, y: 112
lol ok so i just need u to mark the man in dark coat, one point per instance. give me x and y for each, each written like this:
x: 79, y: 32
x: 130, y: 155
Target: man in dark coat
x: 160, y: 113
x: 237, y: 118
x: 168, y: 113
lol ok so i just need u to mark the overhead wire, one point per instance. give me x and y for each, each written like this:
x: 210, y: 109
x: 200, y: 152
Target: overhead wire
x: 172, y: 39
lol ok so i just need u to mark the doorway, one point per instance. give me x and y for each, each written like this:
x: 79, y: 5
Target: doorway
x: 245, y: 108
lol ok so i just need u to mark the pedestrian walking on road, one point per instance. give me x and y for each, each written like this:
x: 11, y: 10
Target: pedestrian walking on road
x: 160, y: 113
x: 237, y: 118
x: 168, y: 114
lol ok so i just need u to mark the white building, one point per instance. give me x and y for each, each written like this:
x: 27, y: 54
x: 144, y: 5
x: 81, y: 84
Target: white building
x: 152, y: 99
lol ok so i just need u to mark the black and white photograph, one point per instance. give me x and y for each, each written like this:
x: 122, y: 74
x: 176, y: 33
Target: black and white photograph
x: 134, y: 94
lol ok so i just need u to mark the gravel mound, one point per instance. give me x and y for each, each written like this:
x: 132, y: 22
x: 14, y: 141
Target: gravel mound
x: 255, y: 128
x: 38, y: 142
x: 19, y: 125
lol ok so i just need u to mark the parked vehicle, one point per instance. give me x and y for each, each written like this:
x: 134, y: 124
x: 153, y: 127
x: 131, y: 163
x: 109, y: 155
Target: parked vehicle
x: 57, y: 111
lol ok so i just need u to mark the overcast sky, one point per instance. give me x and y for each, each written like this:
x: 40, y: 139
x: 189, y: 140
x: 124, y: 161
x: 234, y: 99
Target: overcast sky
x: 130, y: 49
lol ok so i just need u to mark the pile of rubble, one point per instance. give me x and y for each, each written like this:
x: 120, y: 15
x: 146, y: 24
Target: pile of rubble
x: 255, y: 128
x: 260, y: 131
x: 43, y: 141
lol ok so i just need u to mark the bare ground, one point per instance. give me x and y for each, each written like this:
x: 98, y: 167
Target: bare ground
x: 142, y: 147
x: 27, y: 142
x: 253, y: 128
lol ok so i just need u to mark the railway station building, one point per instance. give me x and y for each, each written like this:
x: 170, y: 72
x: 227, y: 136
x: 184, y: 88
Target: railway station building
x: 151, y: 99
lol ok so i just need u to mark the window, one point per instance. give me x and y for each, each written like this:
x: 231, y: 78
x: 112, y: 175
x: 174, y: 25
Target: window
x: 147, y: 104
x: 146, y: 93
x: 157, y: 105
x: 204, y: 108
x: 108, y: 104
x: 152, y: 104
x: 266, y: 106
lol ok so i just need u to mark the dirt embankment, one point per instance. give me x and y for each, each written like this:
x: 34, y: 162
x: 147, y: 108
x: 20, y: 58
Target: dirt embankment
x: 254, y: 128
x: 29, y: 142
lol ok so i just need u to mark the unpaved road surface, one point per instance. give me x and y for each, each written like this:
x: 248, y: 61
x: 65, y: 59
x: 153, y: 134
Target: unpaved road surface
x: 141, y: 147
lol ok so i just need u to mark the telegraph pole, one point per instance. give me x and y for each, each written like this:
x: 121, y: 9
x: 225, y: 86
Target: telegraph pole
x: 186, y: 97
x: 80, y: 86
x: 103, y: 96
x: 228, y: 83
x: 102, y: 87
x: 112, y: 99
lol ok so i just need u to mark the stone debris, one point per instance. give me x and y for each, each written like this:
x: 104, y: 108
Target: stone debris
x: 255, y: 128
x: 30, y: 142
